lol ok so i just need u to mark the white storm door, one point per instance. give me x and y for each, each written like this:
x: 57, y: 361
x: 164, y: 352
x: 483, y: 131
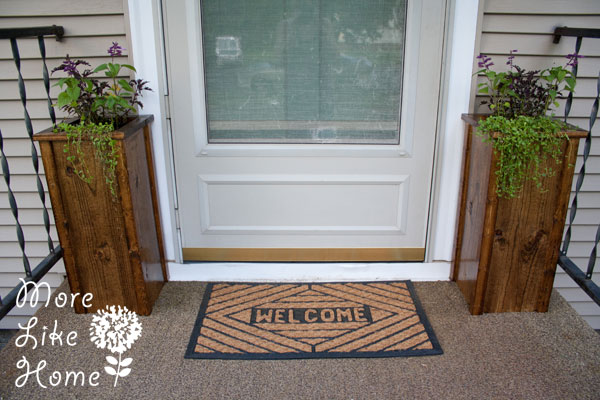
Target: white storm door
x: 304, y: 130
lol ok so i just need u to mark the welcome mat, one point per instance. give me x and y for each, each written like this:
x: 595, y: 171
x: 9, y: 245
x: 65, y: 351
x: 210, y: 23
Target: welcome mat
x: 248, y: 321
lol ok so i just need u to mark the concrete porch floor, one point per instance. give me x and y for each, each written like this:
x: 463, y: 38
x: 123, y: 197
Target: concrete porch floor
x: 555, y: 355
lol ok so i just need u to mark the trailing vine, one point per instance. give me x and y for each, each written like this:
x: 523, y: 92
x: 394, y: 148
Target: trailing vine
x: 100, y: 136
x: 523, y: 145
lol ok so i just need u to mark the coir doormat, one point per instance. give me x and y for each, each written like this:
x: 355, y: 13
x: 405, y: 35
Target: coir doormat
x: 248, y: 321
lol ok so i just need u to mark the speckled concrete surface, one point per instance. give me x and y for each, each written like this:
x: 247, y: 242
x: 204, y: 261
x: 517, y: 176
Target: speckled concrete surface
x: 5, y: 336
x: 504, y: 356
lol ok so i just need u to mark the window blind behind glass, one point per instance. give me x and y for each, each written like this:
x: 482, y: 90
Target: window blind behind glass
x: 303, y: 70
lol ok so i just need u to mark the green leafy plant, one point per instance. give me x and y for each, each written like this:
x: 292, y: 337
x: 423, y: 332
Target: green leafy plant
x: 520, y: 130
x: 524, y: 144
x: 100, y: 107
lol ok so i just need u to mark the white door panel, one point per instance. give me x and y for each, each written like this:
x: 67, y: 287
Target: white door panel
x: 269, y: 204
x: 303, y: 195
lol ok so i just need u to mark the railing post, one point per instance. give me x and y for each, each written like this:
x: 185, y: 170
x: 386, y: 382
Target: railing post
x: 573, y: 211
x: 29, y: 127
x: 14, y: 209
x: 586, y: 153
x: 575, y: 272
x: 55, y: 254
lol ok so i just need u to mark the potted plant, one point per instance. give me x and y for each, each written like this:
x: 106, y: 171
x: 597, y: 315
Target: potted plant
x: 517, y: 174
x: 100, y: 176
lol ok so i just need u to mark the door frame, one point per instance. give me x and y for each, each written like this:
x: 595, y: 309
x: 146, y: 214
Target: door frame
x: 463, y: 18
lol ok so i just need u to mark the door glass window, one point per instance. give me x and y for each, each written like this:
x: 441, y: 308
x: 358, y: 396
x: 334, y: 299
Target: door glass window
x: 303, y: 71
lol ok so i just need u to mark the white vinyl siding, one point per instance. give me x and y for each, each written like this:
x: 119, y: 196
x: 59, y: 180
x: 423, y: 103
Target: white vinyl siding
x: 90, y: 28
x: 528, y: 26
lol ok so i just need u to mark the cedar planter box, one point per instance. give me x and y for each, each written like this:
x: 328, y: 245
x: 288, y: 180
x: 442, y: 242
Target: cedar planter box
x: 507, y: 249
x: 112, y: 245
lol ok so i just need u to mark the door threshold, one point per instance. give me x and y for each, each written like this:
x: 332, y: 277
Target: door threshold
x: 284, y: 255
x: 308, y: 272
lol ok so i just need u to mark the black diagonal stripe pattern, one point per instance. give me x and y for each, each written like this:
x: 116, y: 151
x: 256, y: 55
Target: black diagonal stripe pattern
x: 399, y: 326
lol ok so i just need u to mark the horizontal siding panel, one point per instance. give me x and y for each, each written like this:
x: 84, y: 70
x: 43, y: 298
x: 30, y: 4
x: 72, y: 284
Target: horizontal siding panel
x: 15, y: 265
x: 502, y: 43
x: 32, y: 69
x: 582, y: 262
x: 43, y: 295
x: 584, y: 123
x: 25, y: 200
x: 25, y: 310
x: 582, y: 219
x: 537, y: 23
x: 80, y: 47
x: 580, y: 233
x: 11, y: 8
x: 586, y: 307
x: 580, y: 108
x: 9, y: 89
x: 10, y: 109
x: 35, y: 90
x: 585, y: 214
x: 10, y: 280
x: 31, y: 233
x: 37, y: 108
x: 574, y: 295
x: 23, y: 183
x: 586, y: 87
x: 16, y: 128
x: 19, y: 147
x: 580, y: 249
x: 591, y: 183
x: 80, y: 25
x: 592, y: 163
x: 53, y: 278
x: 542, y: 7
x: 22, y: 165
x: 563, y: 280
x: 32, y: 249
x: 593, y: 321
x: 12, y: 322
x: 594, y: 149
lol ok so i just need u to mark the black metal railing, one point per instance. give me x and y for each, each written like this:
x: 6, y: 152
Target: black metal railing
x: 583, y: 279
x: 54, y: 253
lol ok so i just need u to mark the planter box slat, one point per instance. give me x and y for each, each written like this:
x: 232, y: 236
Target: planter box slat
x: 112, y: 246
x: 506, y: 249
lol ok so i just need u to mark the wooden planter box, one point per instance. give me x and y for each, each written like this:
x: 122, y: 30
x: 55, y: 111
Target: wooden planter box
x: 507, y: 249
x: 112, y: 246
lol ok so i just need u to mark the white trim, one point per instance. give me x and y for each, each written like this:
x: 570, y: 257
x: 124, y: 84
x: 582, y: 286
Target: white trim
x: 146, y: 47
x: 456, y: 94
x: 308, y: 272
x: 409, y: 93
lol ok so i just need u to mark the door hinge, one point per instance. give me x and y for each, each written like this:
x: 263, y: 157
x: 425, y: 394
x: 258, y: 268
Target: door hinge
x: 177, y: 221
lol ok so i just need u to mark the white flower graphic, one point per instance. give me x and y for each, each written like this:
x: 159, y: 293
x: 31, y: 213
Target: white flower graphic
x: 116, y: 330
